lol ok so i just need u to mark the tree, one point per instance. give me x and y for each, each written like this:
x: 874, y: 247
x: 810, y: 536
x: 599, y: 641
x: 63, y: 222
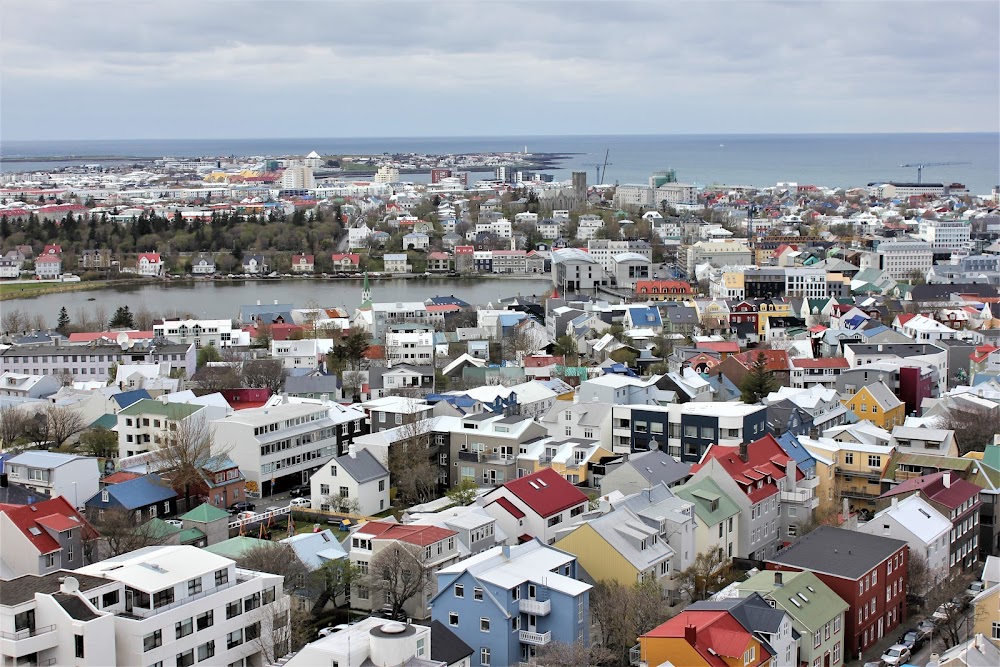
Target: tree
x: 99, y: 442
x: 919, y: 577
x: 122, y: 319
x: 264, y: 373
x: 355, y: 345
x: 264, y: 336
x: 561, y: 654
x: 622, y: 612
x: 119, y: 534
x: 759, y: 382
x: 566, y: 346
x: 62, y: 324
x: 187, y: 447
x: 396, y: 574
x: 952, y: 618
x: 710, y: 572
x: 15, y: 426
x: 208, y: 354
x: 342, y: 504
x: 213, y: 379
x: 974, y: 427
x: 352, y: 382
x: 410, y: 467
x: 276, y: 558
x: 465, y: 493
x: 55, y: 424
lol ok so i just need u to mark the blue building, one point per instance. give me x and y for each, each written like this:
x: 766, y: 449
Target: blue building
x: 686, y: 430
x: 507, y: 602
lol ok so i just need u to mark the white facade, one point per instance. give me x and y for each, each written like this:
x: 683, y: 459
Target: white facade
x: 501, y: 228
x: 73, y: 477
x: 48, y: 267
x: 201, y: 332
x: 149, y: 264
x: 356, y: 236
x: 395, y: 263
x: 359, y: 645
x: 357, y: 475
x: 604, y: 250
x: 901, y: 258
x: 409, y: 344
x: 387, y: 174
x: 303, y: 353
x: 916, y: 522
x: 298, y: 178
x: 945, y: 234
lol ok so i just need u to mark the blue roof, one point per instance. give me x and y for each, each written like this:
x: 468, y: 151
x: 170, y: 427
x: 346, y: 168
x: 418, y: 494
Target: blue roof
x: 134, y: 494
x: 803, y: 459
x: 618, y: 369
x: 315, y: 549
x: 648, y: 315
x: 511, y: 319
x: 127, y: 398
x: 447, y: 301
x: 874, y: 331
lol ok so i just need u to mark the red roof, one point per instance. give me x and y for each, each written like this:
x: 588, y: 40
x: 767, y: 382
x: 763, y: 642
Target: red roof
x: 719, y: 346
x: 542, y: 361
x: 777, y: 360
x: 48, y: 259
x: 663, y: 287
x: 350, y: 257
x: 279, y: 330
x: 55, y: 514
x: 982, y: 352
x: 152, y: 257
x: 443, y: 308
x: 718, y: 635
x: 52, y: 249
x: 765, y: 459
x: 310, y: 259
x: 817, y: 328
x: 119, y: 477
x: 905, y: 317
x: 827, y: 362
x: 439, y: 255
x: 510, y: 507
x: 933, y: 488
x: 546, y: 492
x: 417, y: 534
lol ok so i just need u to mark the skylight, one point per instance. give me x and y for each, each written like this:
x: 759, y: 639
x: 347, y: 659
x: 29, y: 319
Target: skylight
x: 803, y: 596
x: 34, y: 531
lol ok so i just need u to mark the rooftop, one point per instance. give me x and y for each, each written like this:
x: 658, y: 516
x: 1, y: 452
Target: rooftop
x: 838, y: 552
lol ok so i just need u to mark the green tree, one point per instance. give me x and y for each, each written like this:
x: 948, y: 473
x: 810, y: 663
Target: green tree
x: 465, y: 492
x: 208, y: 354
x: 99, y: 442
x: 356, y: 345
x: 63, y: 322
x: 122, y: 319
x: 759, y: 382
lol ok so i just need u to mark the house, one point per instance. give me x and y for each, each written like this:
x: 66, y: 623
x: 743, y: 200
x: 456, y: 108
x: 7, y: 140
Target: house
x: 303, y: 263
x: 149, y: 264
x: 575, y: 459
x: 315, y: 385
x: 920, y: 525
x: 807, y: 373
x: 984, y: 606
x: 358, y: 478
x: 737, y: 366
x: 957, y: 500
x: 436, y: 548
x: 703, y: 637
x: 95, y: 259
x: 203, y: 264
x: 868, y: 572
x: 42, y: 537
x: 632, y: 473
x: 396, y: 263
x: 717, y: 516
x: 876, y: 403
x: 345, y: 262
x: 646, y: 317
x: 68, y: 475
x: 23, y: 385
x: 416, y: 241
x: 255, y: 264
x: 591, y: 421
x: 438, y: 262
x: 146, y: 497
x: 222, y: 482
x: 48, y: 267
x: 508, y: 601
x: 534, y: 506
x: 146, y: 424
x: 663, y: 290
x: 817, y: 613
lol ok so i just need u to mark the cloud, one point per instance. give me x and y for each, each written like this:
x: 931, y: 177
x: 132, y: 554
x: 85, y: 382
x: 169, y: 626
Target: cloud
x: 141, y: 69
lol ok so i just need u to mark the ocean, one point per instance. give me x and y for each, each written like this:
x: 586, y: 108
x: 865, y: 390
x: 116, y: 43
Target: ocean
x: 833, y: 160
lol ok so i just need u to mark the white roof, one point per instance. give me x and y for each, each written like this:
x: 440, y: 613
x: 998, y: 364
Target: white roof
x: 401, y: 404
x: 527, y: 392
x: 919, y: 517
x: 531, y: 561
x: 42, y: 459
x: 154, y: 568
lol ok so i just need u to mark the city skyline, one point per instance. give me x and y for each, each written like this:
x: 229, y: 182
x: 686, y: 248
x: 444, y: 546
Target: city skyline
x: 202, y: 70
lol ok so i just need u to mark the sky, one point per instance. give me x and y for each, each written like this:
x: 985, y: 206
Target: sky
x: 133, y: 69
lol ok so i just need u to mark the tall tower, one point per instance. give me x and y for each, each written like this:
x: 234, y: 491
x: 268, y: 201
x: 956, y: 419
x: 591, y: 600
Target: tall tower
x: 366, y: 293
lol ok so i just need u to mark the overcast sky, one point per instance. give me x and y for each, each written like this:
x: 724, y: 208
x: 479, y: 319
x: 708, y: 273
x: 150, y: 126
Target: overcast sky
x: 84, y: 69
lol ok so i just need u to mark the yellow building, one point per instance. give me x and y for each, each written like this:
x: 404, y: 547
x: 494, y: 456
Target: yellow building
x: 848, y: 470
x: 570, y: 458
x: 986, y: 613
x: 692, y: 638
x: 876, y: 403
x: 772, y: 308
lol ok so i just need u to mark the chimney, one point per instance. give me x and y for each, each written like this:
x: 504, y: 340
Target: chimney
x: 258, y: 302
x: 790, y: 471
x: 351, y: 451
x: 846, y: 509
x: 691, y: 634
x: 276, y: 302
x: 946, y: 478
x: 324, y: 397
x: 778, y: 579
x: 3, y: 480
x: 813, y: 432
x: 895, y: 502
x: 284, y: 397
x: 744, y: 452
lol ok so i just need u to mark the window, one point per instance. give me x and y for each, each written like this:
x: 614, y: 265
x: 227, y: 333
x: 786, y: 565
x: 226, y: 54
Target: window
x: 234, y: 609
x: 251, y: 632
x: 206, y: 650
x: 251, y: 602
x: 399, y: 418
x: 477, y: 594
x: 268, y: 595
x: 515, y: 623
x: 453, y: 618
x: 484, y: 624
x: 849, y: 458
x: 324, y: 489
x: 836, y: 624
x: 163, y: 598
x: 78, y: 645
x: 234, y: 638
x: 381, y: 485
x: 333, y: 471
x: 750, y: 655
x: 344, y: 492
x: 459, y: 591
x: 221, y: 577
x: 995, y: 630
x: 484, y: 656
x: 109, y: 599
x: 817, y: 639
x: 152, y: 640
x: 579, y: 607
x: 184, y: 628
x: 194, y: 586
x: 186, y: 658
x: 205, y: 620
x: 836, y: 653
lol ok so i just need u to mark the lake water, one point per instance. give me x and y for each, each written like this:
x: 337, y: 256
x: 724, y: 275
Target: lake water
x: 220, y: 300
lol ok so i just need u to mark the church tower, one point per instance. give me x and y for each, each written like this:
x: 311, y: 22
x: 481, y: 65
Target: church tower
x: 366, y: 293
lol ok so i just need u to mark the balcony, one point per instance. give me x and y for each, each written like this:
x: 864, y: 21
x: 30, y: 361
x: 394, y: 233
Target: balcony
x: 535, y: 638
x: 874, y: 473
x: 536, y: 607
x: 797, y: 496
x: 635, y: 654
x: 854, y: 493
x: 28, y: 641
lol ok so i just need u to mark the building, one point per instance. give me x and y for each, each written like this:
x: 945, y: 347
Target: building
x: 95, y: 259
x: 298, y: 178
x: 42, y: 537
x: 574, y: 270
x: 149, y: 264
x: 876, y: 403
x: 146, y: 424
x: 356, y: 476
x: 945, y: 234
x: 534, y: 506
x: 203, y: 264
x: 817, y: 613
x: 919, y: 524
x: 904, y: 259
x: 717, y: 516
x: 146, y: 497
x: 631, y: 473
x: 22, y: 385
x: 730, y: 252
x: 704, y: 637
x: 409, y: 344
x: 281, y: 446
x: 808, y: 373
x: 484, y: 447
x: 48, y: 267
x: 663, y: 290
x: 868, y: 572
x: 303, y: 263
x: 956, y: 499
x: 91, y: 363
x: 68, y: 475
x: 508, y: 601
x: 219, y: 333
x: 387, y: 174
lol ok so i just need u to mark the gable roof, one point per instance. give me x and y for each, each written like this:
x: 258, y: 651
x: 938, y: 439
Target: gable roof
x: 446, y: 646
x: 934, y: 488
x: 56, y: 514
x: 315, y: 549
x: 420, y: 535
x: 838, y: 552
x: 711, y: 503
x: 657, y: 467
x: 134, y: 493
x: 816, y: 605
x: 205, y: 513
x: 362, y: 467
x: 765, y: 459
x: 546, y: 492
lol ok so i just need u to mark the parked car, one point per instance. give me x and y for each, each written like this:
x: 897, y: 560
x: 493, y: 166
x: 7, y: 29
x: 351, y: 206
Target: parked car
x: 911, y: 639
x: 944, y: 610
x: 174, y: 522
x: 925, y: 628
x: 300, y: 490
x: 329, y: 630
x: 242, y: 506
x: 246, y: 515
x: 974, y: 589
x: 300, y: 502
x: 896, y: 655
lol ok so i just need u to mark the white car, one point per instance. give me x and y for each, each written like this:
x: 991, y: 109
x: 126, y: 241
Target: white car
x: 174, y: 522
x: 895, y: 655
x: 300, y: 502
x: 246, y: 515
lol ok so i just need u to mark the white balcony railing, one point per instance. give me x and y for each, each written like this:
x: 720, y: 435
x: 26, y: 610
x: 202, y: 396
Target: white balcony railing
x: 536, y: 638
x: 797, y: 496
x: 536, y: 607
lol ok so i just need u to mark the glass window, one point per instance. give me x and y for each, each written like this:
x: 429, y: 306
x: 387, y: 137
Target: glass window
x: 205, y: 620
x: 484, y: 624
x: 152, y: 640
x: 184, y: 628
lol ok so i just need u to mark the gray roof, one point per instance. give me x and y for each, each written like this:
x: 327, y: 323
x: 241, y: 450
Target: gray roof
x: 883, y: 395
x: 658, y: 467
x: 590, y: 414
x: 446, y: 646
x: 22, y: 589
x: 312, y: 384
x: 842, y: 553
x: 363, y: 467
x: 753, y: 612
x: 18, y: 494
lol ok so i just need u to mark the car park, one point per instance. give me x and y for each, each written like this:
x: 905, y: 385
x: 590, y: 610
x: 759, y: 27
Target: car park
x: 896, y: 655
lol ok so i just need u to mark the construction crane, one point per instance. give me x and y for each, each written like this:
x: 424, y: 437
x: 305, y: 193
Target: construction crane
x: 920, y: 166
x: 602, y: 172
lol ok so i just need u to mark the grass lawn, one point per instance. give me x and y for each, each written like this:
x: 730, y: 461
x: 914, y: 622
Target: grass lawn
x: 17, y: 290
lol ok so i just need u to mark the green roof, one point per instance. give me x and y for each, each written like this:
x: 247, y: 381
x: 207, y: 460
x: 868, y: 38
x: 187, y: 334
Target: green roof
x: 205, y: 513
x: 823, y: 604
x: 105, y: 421
x: 235, y: 547
x: 702, y: 494
x: 149, y: 406
x: 160, y: 529
x: 191, y: 535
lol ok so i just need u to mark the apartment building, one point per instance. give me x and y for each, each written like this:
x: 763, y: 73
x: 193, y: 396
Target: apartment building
x: 902, y: 259
x: 508, y: 601
x: 853, y: 468
x: 280, y: 446
x: 808, y: 373
x: 147, y: 424
x: 409, y: 344
x: 920, y: 525
x: 945, y: 234
x: 55, y: 474
x: 22, y: 385
x: 219, y: 333
x: 484, y: 447
x: 731, y: 252
x: 90, y: 363
x: 574, y: 270
x: 604, y: 251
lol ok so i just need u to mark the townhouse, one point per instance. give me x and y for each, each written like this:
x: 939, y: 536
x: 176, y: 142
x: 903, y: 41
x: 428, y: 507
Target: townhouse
x: 919, y: 524
x: 73, y: 477
x: 703, y: 638
x: 142, y: 498
x: 534, y: 506
x: 356, y: 477
x: 573, y: 458
x: 876, y: 403
x: 509, y: 601
x: 148, y: 424
x: 868, y: 572
x: 219, y: 333
x: 42, y: 537
x: 717, y: 516
x: 807, y: 373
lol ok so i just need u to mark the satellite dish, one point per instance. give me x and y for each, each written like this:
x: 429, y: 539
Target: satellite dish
x: 121, y: 339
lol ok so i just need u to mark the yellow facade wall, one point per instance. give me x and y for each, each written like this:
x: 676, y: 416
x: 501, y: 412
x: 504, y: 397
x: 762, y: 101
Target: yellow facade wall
x: 600, y: 559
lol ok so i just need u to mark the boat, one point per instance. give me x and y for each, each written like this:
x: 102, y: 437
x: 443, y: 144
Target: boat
x: 92, y: 299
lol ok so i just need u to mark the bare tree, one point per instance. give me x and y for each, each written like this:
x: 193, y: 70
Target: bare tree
x: 143, y: 318
x: 710, y: 572
x: 276, y: 558
x: 15, y: 426
x: 411, y: 469
x: 264, y: 373
x: 621, y: 613
x: 352, y: 383
x: 14, y: 320
x: 272, y: 629
x: 951, y: 617
x: 64, y: 423
x: 119, y: 532
x: 341, y: 504
x: 577, y: 654
x: 213, y: 379
x: 918, y: 574
x: 397, y: 573
x: 188, y: 446
x: 974, y: 428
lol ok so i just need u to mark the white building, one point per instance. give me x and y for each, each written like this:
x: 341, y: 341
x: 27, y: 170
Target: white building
x: 219, y: 333
x: 384, y: 314
x: 945, y: 234
x: 629, y: 268
x: 920, y: 525
x: 409, y: 344
x: 395, y: 263
x: 387, y: 174
x: 357, y: 236
x: 587, y: 226
x: 73, y: 477
x: 303, y: 353
x: 48, y: 267
x: 146, y: 424
x: 900, y: 259
x: 149, y: 264
x: 500, y: 228
x: 298, y: 178
x: 355, y: 476
x: 24, y: 385
x: 574, y: 270
x: 619, y: 390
